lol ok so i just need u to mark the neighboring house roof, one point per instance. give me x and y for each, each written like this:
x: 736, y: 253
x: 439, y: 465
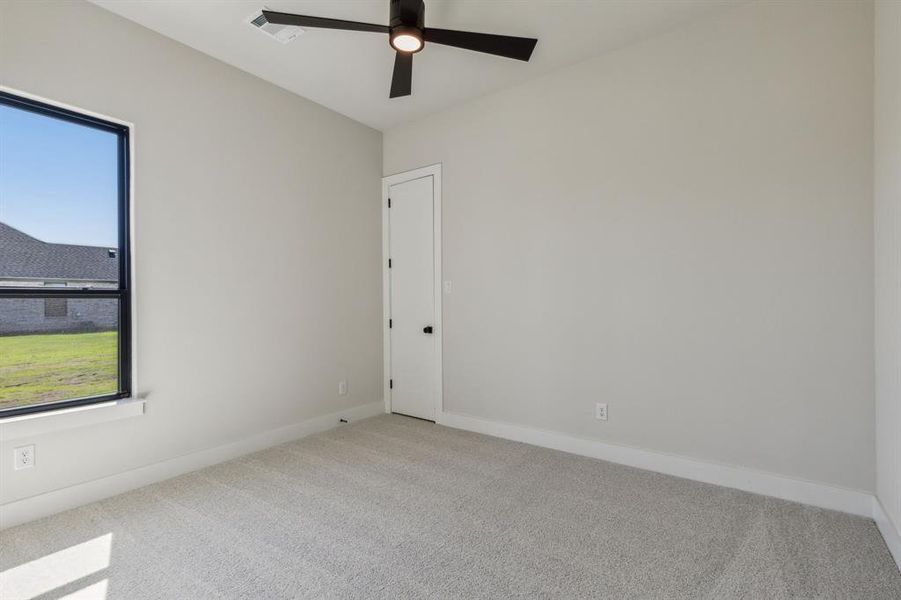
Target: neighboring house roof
x: 23, y: 256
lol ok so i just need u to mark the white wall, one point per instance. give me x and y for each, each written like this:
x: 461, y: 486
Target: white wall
x: 257, y: 219
x: 683, y: 229
x: 888, y: 259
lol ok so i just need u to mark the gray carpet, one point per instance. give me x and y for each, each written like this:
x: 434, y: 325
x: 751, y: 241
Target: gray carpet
x: 392, y: 507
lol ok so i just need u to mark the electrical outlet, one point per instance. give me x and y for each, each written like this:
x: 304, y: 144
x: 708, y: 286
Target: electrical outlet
x: 448, y: 287
x: 23, y: 457
x: 600, y: 411
x: 342, y: 388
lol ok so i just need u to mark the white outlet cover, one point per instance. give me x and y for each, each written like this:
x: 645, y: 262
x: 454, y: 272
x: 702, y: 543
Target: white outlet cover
x: 600, y: 411
x: 23, y: 457
x: 448, y: 287
x: 342, y: 388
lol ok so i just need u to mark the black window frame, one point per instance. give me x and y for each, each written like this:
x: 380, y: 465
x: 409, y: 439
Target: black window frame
x: 123, y: 292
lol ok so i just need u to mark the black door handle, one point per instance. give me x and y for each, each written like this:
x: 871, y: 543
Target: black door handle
x: 427, y: 329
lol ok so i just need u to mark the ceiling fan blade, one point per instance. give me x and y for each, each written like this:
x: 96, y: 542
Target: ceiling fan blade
x: 501, y: 45
x: 279, y: 18
x: 402, y: 80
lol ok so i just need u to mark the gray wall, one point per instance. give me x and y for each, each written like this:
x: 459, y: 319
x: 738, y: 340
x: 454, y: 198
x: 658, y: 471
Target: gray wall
x: 682, y: 228
x: 257, y: 239
x: 888, y: 259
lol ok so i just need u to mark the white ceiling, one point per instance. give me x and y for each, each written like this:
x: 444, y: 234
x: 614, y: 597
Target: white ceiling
x: 350, y: 72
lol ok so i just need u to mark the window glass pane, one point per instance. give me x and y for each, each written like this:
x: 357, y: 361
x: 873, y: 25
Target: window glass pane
x: 56, y: 307
x: 59, y: 186
x: 46, y: 358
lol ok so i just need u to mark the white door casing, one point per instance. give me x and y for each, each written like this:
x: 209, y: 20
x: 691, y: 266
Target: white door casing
x: 412, y: 292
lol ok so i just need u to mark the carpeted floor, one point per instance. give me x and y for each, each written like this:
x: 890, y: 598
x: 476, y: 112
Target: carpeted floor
x: 392, y: 507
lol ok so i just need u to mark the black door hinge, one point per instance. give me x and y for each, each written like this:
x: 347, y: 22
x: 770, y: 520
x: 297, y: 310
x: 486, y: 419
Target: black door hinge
x: 390, y: 323
x: 390, y: 384
x: 389, y: 202
x: 389, y: 263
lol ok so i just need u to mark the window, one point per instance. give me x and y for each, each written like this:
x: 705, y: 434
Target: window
x: 56, y: 307
x: 65, y: 303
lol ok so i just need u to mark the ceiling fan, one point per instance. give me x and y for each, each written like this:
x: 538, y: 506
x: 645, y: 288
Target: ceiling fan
x: 408, y: 34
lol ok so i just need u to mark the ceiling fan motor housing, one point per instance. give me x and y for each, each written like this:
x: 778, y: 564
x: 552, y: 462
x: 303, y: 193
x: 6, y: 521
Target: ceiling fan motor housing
x: 407, y: 17
x: 407, y: 34
x: 410, y: 13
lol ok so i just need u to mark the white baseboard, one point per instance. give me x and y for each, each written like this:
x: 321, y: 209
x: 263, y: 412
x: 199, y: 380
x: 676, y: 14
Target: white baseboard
x: 42, y: 505
x: 759, y: 482
x: 890, y: 531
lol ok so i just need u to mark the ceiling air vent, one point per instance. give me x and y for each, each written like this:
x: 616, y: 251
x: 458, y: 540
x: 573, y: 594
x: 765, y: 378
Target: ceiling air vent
x: 282, y: 33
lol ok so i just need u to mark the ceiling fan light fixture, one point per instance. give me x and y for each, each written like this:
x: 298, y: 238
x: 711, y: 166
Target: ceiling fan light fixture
x: 407, y: 35
x: 406, y: 39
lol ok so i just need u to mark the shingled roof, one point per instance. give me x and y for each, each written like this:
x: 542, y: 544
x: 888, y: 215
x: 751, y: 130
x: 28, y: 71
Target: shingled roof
x: 22, y: 256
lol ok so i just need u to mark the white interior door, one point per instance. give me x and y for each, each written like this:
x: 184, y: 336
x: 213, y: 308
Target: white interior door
x: 413, y: 330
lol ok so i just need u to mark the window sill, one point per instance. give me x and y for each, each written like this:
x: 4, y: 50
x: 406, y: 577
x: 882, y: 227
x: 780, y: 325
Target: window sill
x: 13, y: 428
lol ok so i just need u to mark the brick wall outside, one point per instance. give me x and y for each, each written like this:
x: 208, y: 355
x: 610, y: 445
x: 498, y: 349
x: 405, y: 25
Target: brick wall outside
x: 19, y: 316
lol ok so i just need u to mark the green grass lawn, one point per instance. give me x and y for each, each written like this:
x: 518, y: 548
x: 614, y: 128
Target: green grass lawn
x: 46, y: 368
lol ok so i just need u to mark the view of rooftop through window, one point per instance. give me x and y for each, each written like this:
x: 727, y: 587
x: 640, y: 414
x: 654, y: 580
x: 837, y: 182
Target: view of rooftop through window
x: 60, y: 183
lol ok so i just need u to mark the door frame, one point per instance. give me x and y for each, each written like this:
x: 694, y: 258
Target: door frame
x: 435, y: 172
